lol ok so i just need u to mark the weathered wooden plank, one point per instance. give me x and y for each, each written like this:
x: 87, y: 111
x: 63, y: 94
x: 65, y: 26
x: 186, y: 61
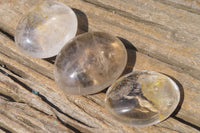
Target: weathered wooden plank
x: 148, y: 38
x: 45, y: 87
x: 160, y: 30
x: 19, y: 117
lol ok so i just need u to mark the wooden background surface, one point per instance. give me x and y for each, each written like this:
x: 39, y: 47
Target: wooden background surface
x: 160, y: 35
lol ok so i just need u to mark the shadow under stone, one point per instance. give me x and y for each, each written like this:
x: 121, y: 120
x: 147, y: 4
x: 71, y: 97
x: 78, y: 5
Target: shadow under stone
x: 82, y: 21
x: 131, y: 53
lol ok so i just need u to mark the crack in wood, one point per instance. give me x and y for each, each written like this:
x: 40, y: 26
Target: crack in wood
x: 39, y: 110
x: 60, y: 111
x: 5, y: 73
x: 16, y: 80
x: 68, y: 126
x: 10, y: 99
x: 186, y: 123
x: 5, y: 130
x: 7, y: 34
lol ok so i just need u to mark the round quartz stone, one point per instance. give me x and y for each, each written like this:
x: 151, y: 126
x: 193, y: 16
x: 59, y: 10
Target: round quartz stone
x: 142, y: 98
x: 45, y: 29
x: 90, y: 63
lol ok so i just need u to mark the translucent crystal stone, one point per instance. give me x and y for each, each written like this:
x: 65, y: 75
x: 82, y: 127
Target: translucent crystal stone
x: 142, y: 98
x: 90, y: 63
x: 45, y: 29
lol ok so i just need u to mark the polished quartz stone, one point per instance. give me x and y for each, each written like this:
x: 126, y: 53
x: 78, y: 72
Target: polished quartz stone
x: 90, y: 63
x: 45, y: 29
x: 142, y: 98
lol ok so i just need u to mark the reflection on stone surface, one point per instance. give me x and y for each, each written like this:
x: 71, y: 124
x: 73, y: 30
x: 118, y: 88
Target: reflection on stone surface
x: 45, y: 29
x: 142, y: 98
x: 90, y: 63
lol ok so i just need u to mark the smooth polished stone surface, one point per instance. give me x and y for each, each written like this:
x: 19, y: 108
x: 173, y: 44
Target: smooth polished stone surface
x: 90, y: 63
x: 142, y: 98
x: 45, y: 29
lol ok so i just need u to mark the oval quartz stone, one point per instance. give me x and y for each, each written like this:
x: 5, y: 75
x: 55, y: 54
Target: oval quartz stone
x: 142, y: 98
x: 45, y: 29
x: 90, y: 63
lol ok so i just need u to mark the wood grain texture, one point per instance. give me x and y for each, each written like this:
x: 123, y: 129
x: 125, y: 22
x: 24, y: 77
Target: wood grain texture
x: 167, y: 41
x: 19, y: 117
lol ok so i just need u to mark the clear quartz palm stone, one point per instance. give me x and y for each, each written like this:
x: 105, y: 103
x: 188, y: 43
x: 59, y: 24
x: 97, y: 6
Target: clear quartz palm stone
x: 142, y: 98
x: 45, y: 29
x: 90, y: 63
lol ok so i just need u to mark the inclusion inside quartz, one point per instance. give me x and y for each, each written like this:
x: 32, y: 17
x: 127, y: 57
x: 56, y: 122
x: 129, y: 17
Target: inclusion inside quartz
x: 142, y: 98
